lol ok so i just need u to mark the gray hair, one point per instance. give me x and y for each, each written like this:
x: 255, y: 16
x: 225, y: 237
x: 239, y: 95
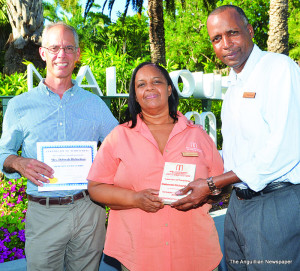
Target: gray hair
x: 237, y: 9
x: 49, y: 26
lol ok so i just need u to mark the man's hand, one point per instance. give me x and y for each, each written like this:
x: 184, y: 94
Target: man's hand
x: 31, y: 169
x: 148, y: 200
x: 198, y: 196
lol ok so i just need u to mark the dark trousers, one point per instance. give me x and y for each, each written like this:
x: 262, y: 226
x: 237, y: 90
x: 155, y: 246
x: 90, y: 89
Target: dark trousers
x: 263, y: 233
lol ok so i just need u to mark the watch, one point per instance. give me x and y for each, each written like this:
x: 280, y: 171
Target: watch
x: 214, y: 191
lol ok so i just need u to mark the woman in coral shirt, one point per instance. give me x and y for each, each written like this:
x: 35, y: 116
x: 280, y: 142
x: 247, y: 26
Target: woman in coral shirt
x: 143, y: 233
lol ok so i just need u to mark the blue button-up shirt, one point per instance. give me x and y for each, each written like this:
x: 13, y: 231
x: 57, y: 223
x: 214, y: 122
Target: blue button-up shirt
x: 40, y: 115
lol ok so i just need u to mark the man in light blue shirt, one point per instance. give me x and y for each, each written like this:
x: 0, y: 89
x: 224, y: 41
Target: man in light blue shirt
x: 64, y: 229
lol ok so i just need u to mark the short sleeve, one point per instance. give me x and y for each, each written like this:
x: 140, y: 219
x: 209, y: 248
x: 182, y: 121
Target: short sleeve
x: 106, y: 163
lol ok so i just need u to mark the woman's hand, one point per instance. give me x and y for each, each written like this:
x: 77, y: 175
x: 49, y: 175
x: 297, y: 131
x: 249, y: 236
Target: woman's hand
x: 118, y: 198
x: 148, y: 200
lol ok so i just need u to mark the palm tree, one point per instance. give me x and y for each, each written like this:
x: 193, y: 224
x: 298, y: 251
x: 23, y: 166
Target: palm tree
x: 5, y: 30
x: 137, y: 5
x: 157, y: 31
x: 278, y: 27
x: 26, y: 20
x: 156, y: 23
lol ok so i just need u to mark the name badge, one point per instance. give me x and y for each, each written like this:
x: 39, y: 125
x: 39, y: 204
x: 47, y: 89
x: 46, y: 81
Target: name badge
x: 249, y: 94
x: 190, y: 154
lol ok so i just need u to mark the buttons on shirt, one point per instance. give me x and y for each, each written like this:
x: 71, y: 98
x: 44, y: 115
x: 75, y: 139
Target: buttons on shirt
x: 167, y: 243
x: 60, y: 123
x: 166, y: 224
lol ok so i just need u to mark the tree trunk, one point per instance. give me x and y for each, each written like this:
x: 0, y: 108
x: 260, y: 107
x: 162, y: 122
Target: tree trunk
x: 278, y: 27
x: 157, y: 31
x: 26, y: 19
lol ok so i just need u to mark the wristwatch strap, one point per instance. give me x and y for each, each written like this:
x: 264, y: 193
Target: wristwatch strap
x: 214, y: 191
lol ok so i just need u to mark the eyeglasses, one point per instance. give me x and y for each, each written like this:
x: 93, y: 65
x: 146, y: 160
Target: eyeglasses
x: 56, y: 49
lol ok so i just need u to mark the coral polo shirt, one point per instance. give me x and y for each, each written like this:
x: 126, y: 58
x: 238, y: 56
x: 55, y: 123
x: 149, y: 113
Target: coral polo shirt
x: 168, y: 240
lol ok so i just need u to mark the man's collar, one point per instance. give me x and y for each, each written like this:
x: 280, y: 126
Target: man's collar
x: 47, y: 90
x: 249, y: 66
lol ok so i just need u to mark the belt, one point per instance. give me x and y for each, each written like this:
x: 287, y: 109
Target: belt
x: 58, y: 200
x: 249, y: 194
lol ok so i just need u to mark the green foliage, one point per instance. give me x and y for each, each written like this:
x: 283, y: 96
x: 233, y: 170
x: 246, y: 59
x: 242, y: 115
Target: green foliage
x: 294, y: 30
x: 131, y: 36
x: 128, y: 35
x: 2, y: 4
x: 3, y: 13
x: 190, y: 104
x: 100, y: 61
x: 14, y: 84
x: 51, y: 11
x: 92, y: 30
x: 216, y: 109
x: 187, y: 41
x: 57, y: 9
x: 70, y: 5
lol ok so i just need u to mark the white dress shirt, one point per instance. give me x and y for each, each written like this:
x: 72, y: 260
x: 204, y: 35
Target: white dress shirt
x: 261, y: 134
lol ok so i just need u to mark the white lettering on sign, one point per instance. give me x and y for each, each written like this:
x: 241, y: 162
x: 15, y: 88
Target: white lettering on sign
x: 196, y: 84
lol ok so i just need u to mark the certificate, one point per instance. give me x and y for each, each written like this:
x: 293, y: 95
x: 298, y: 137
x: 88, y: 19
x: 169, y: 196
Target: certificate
x: 71, y: 162
x: 175, y: 177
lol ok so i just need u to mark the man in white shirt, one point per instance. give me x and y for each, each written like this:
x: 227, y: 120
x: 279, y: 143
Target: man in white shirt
x: 261, y: 149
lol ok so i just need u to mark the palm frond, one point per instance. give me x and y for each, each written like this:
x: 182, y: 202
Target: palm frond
x: 88, y: 5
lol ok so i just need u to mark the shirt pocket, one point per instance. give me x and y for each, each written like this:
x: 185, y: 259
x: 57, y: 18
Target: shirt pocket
x: 250, y: 116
